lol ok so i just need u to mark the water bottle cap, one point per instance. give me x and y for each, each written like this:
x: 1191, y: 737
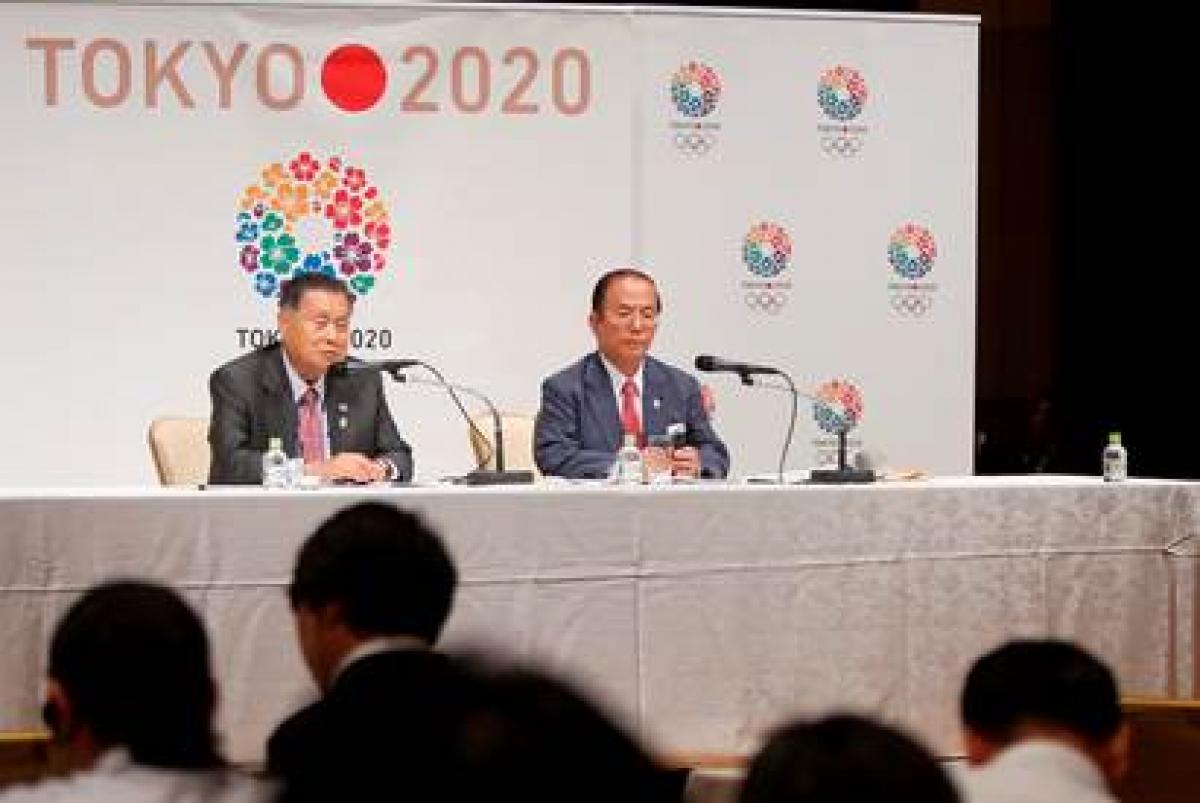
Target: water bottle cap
x: 1114, y: 437
x: 274, y: 443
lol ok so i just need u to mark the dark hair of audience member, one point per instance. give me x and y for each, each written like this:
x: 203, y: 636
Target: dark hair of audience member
x: 1040, y: 682
x: 524, y: 735
x: 600, y: 289
x: 292, y: 290
x: 844, y: 759
x: 133, y: 660
x: 389, y: 572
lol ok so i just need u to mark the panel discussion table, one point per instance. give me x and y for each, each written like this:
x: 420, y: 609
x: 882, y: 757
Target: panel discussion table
x: 700, y: 615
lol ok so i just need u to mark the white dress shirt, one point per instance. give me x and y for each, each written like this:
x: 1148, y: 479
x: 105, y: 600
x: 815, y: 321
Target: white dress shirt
x: 299, y: 388
x: 1036, y: 771
x: 116, y: 779
x: 618, y: 382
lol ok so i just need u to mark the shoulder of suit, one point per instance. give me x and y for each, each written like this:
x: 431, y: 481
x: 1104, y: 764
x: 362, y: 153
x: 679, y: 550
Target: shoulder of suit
x: 675, y: 375
x: 251, y: 363
x: 573, y: 373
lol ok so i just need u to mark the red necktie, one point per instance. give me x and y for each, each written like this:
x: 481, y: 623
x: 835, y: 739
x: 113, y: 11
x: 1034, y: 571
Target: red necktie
x: 631, y: 421
x: 312, y: 441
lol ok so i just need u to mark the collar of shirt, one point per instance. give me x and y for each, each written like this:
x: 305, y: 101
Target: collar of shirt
x: 299, y: 384
x: 374, y: 646
x: 112, y: 761
x: 618, y: 379
x: 1048, y: 758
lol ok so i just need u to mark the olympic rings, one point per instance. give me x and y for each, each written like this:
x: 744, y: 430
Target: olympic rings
x: 694, y: 143
x: 841, y: 146
x: 766, y: 301
x: 913, y: 305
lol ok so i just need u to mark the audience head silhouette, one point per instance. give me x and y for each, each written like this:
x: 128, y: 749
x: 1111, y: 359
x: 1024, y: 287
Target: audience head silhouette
x: 369, y: 571
x: 129, y: 667
x: 521, y: 734
x: 1046, y: 690
x: 844, y: 759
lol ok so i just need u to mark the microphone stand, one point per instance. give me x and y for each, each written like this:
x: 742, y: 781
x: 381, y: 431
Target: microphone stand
x: 479, y: 475
x: 843, y: 474
x: 748, y: 380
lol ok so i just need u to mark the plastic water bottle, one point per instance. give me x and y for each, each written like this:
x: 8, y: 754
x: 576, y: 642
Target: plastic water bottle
x: 275, y: 471
x: 1116, y: 459
x: 628, y: 468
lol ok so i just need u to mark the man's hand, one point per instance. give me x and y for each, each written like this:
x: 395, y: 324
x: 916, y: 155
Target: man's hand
x: 685, y: 461
x: 655, y: 459
x: 348, y: 466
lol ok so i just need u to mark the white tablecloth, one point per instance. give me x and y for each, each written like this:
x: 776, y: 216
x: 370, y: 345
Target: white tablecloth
x: 701, y: 615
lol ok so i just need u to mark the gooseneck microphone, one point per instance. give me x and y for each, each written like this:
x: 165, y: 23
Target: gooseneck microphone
x: 353, y: 365
x: 746, y: 372
x: 710, y: 364
x: 478, y: 476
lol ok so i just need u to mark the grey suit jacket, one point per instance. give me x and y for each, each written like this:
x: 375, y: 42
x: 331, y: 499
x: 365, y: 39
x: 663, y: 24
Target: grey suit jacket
x: 578, y: 429
x: 252, y: 402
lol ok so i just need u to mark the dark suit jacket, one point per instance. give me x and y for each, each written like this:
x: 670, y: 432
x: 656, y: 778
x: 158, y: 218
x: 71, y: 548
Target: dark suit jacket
x: 252, y: 402
x: 385, y: 723
x: 578, y: 429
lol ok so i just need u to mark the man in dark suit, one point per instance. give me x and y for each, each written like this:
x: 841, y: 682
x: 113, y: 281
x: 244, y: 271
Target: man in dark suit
x: 371, y: 590
x: 588, y: 407
x: 338, y: 422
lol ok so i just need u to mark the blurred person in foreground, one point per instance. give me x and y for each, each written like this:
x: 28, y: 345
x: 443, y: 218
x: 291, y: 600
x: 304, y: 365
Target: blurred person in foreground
x: 131, y: 698
x: 371, y: 590
x: 844, y: 759
x: 1042, y: 722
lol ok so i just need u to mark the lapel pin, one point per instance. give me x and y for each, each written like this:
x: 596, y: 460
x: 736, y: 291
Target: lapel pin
x: 657, y: 403
x: 343, y: 422
x: 343, y: 407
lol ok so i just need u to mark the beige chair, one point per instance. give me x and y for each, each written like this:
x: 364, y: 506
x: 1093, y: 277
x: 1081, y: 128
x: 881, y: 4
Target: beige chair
x: 518, y: 441
x: 179, y: 447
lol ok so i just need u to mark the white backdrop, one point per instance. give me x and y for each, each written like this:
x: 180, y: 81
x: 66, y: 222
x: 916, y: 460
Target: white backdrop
x: 122, y: 271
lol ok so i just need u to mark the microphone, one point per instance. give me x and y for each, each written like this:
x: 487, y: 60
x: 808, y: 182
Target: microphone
x: 478, y: 476
x: 353, y: 365
x: 746, y: 372
x: 710, y: 364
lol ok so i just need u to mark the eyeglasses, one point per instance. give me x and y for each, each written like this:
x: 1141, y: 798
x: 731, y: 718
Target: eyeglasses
x: 627, y: 316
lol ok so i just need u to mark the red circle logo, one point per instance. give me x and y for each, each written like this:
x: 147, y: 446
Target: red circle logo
x: 353, y: 77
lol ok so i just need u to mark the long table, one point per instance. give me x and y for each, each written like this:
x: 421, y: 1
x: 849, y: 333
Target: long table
x: 700, y: 615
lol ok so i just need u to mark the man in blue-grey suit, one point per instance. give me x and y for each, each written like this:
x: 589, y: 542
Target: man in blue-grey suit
x: 588, y: 407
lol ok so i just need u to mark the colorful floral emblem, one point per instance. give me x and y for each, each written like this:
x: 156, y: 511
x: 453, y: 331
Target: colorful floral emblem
x: 842, y: 93
x: 695, y: 88
x: 911, y: 251
x: 838, y: 406
x: 305, y: 216
x: 766, y: 250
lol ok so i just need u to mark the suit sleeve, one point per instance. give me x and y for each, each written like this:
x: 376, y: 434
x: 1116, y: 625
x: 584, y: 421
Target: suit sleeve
x: 558, y: 443
x: 388, y: 443
x: 234, y: 462
x: 714, y: 456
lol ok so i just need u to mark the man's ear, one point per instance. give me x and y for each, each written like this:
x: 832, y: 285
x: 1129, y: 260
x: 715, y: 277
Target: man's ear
x: 1114, y: 756
x: 979, y: 749
x: 57, y: 711
x: 593, y: 320
x: 329, y: 615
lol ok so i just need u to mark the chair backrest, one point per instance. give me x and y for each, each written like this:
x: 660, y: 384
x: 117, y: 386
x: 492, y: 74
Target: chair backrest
x: 179, y: 447
x: 518, y: 441
x: 1164, y: 766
